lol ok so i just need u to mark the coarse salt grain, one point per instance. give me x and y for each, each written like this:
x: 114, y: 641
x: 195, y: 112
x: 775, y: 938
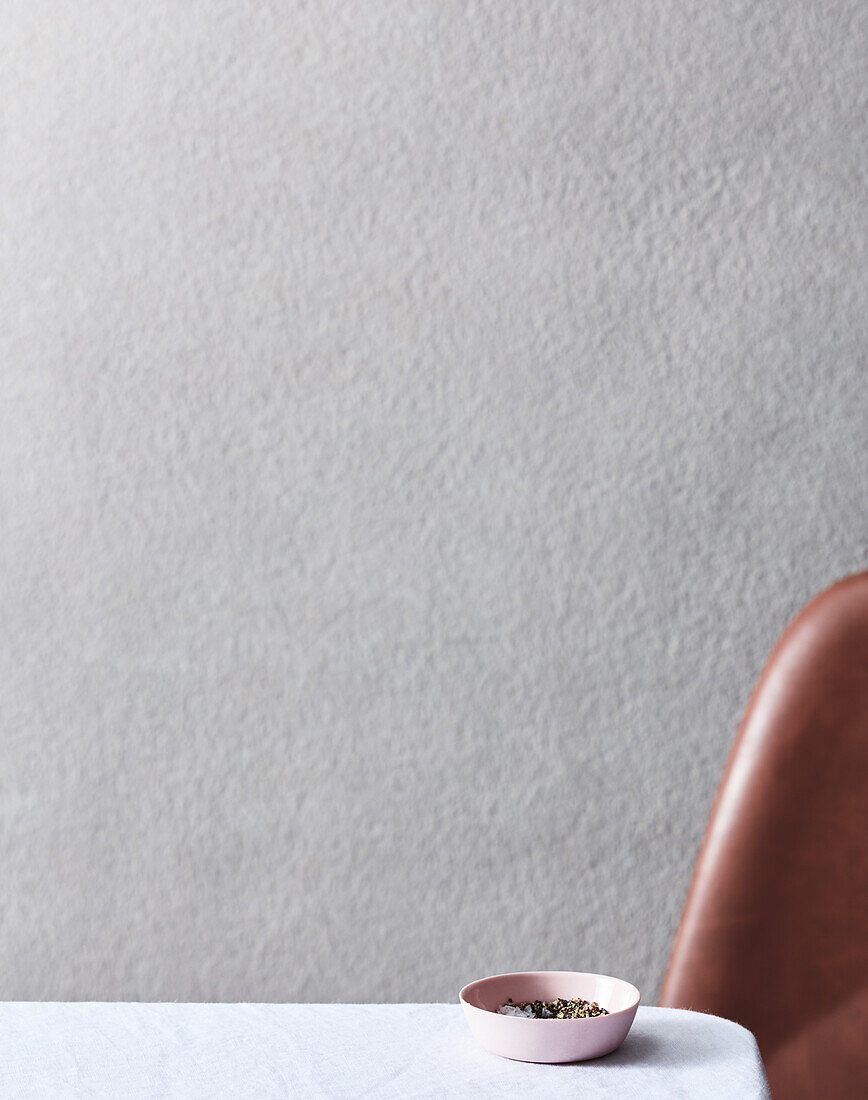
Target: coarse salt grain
x: 513, y: 1010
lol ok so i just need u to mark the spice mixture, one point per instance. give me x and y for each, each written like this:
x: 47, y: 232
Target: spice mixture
x: 575, y: 1009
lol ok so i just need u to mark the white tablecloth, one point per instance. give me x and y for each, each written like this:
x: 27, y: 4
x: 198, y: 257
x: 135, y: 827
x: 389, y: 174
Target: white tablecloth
x: 265, y: 1050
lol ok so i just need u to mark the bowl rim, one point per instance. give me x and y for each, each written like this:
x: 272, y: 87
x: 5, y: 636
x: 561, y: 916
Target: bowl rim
x: 634, y: 1003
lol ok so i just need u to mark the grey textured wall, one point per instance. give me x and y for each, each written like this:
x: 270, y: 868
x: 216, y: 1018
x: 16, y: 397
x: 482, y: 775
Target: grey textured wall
x: 417, y: 422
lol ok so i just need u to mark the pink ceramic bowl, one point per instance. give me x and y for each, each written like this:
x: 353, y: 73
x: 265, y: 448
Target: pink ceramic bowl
x: 549, y: 1040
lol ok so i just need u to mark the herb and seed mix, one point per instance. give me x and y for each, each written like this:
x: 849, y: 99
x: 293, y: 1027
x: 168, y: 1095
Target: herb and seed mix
x: 575, y: 1009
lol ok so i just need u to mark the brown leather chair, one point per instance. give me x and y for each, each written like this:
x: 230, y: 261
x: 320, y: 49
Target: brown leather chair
x: 774, y: 932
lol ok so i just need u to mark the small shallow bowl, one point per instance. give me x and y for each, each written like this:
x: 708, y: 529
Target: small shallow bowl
x: 528, y: 1040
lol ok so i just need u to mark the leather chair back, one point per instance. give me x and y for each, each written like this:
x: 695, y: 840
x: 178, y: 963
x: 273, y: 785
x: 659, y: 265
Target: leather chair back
x: 774, y: 932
